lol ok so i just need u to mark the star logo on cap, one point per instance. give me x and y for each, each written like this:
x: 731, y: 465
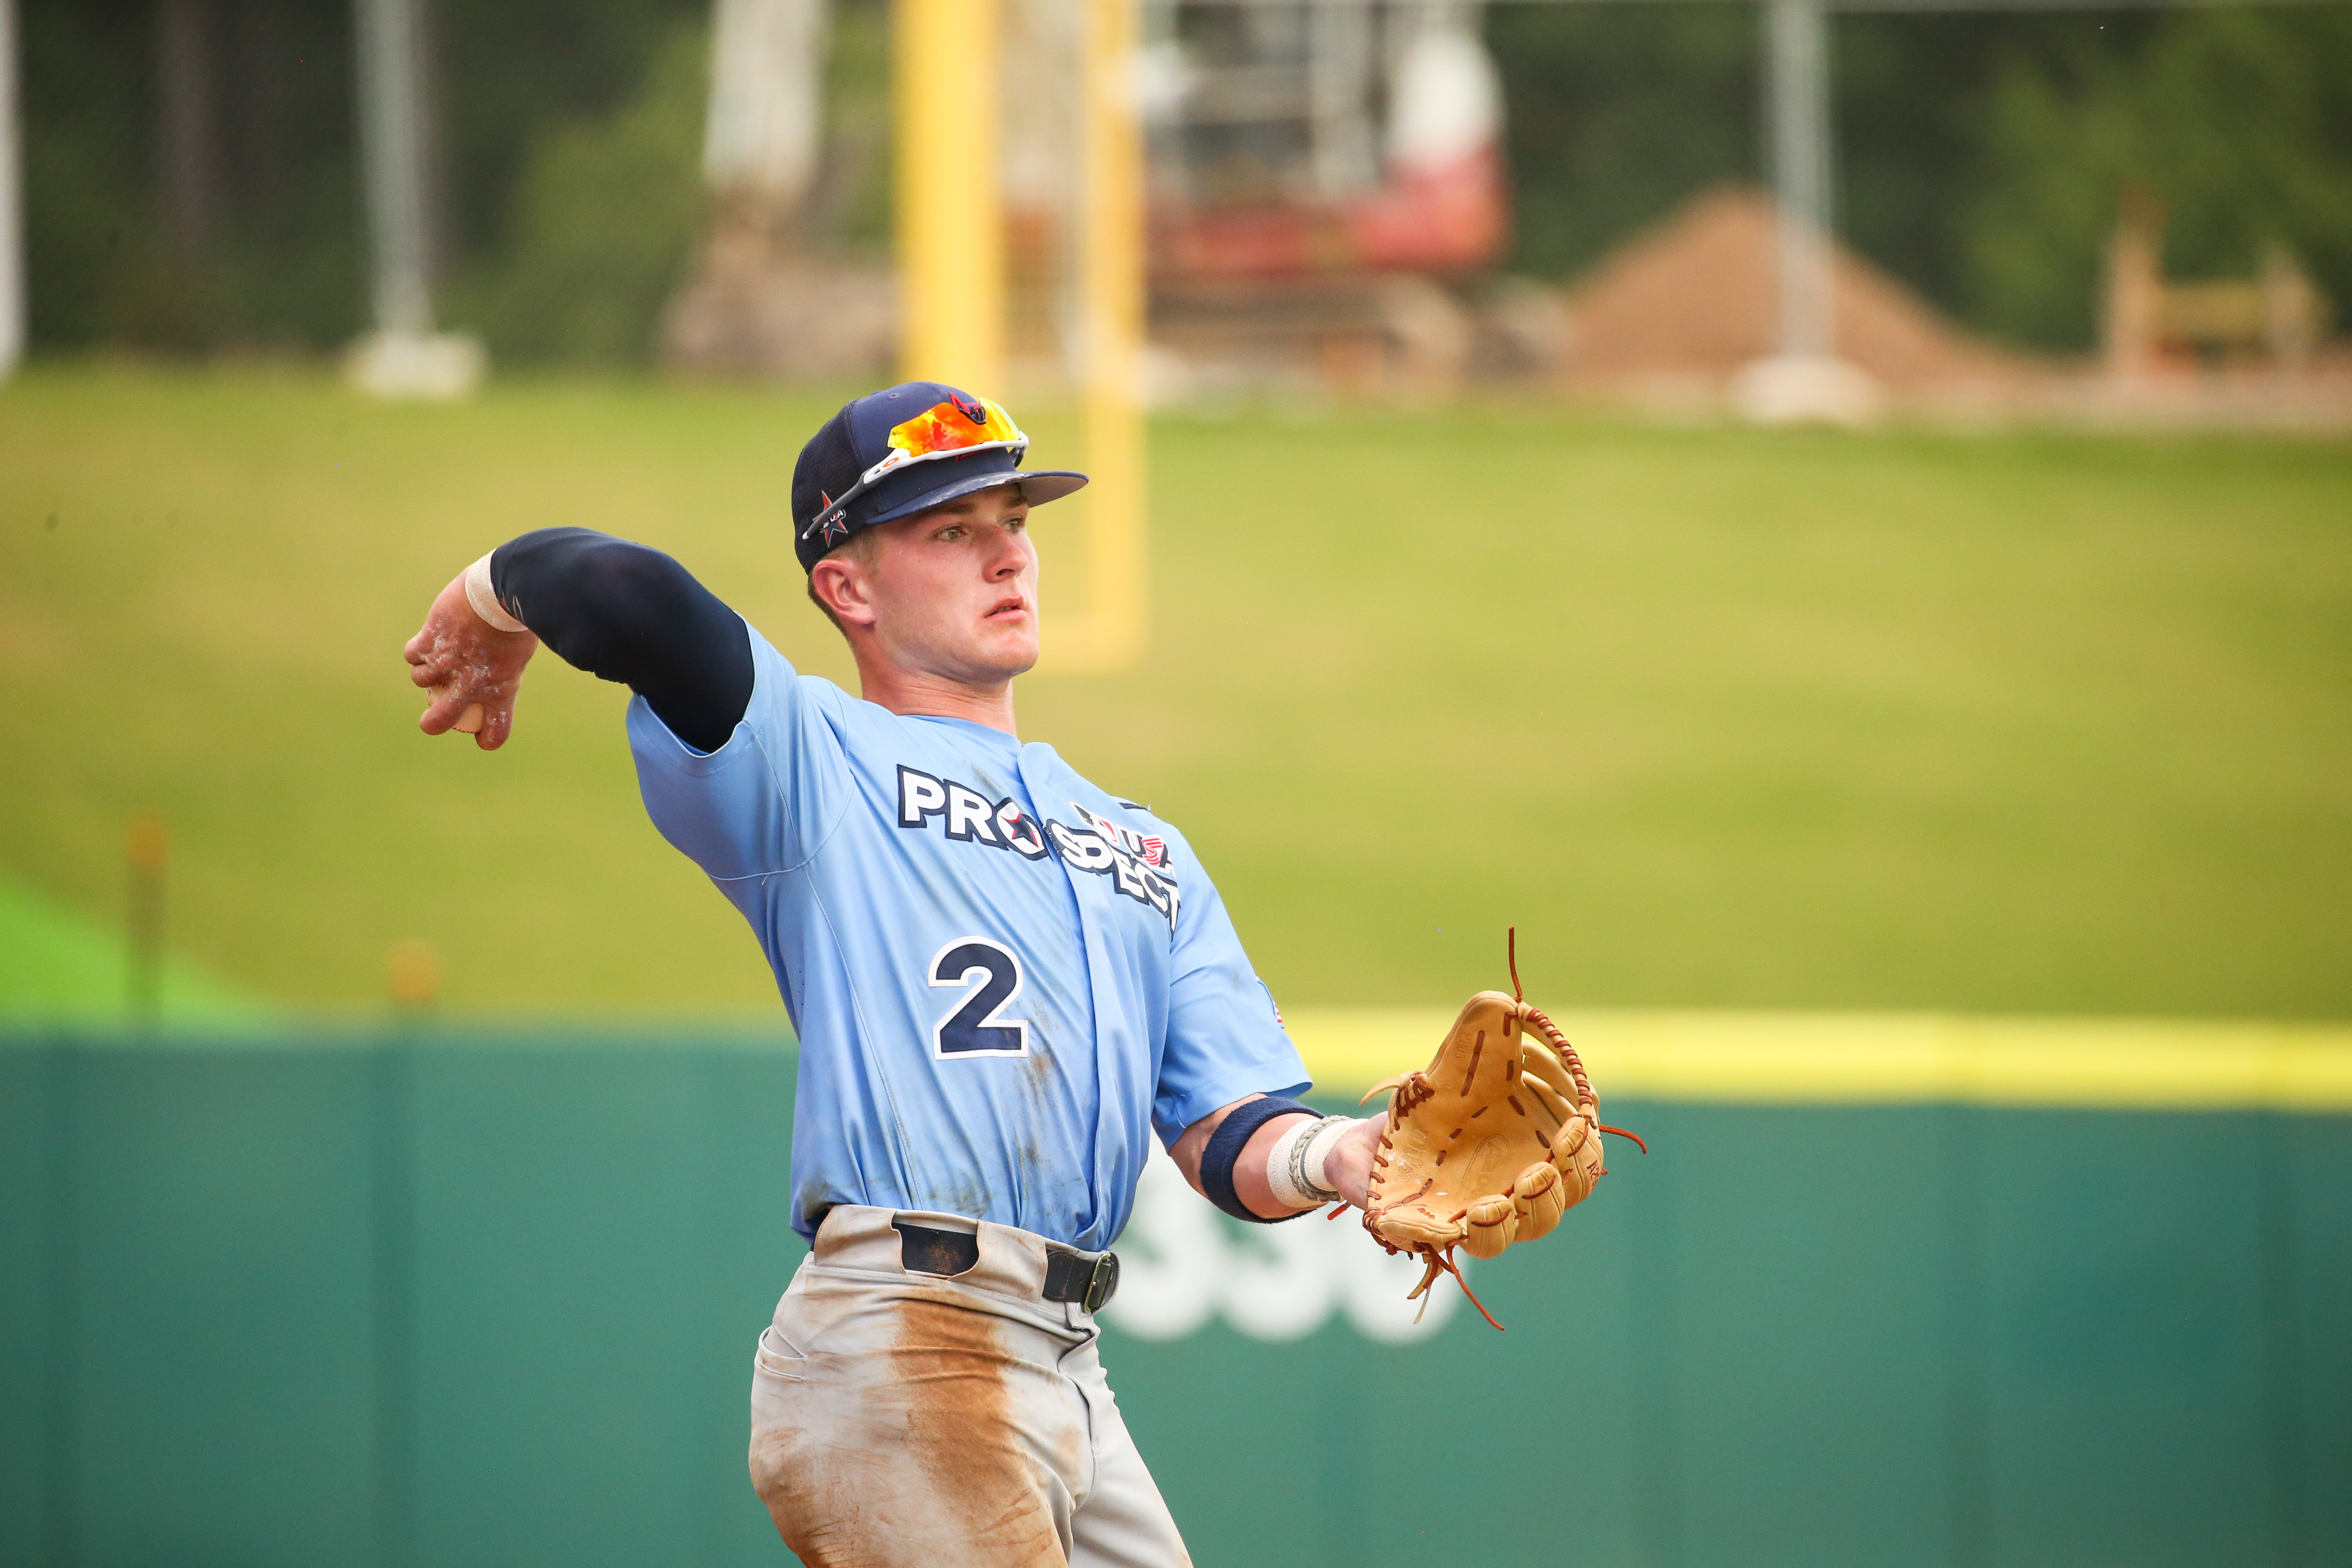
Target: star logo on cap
x: 832, y: 521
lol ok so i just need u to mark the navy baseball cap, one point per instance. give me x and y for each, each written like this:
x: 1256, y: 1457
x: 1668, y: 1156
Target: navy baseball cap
x: 891, y: 454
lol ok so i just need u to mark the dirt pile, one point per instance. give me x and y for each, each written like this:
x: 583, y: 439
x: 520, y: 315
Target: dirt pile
x: 1690, y: 300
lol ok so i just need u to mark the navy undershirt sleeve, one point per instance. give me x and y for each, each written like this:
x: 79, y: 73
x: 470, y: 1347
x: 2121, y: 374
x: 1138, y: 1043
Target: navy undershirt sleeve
x: 627, y: 613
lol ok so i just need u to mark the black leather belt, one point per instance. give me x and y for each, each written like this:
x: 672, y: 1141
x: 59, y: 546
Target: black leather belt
x: 1070, y: 1275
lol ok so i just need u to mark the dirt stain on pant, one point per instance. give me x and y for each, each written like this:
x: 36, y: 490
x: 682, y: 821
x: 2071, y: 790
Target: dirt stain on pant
x: 812, y: 1503
x: 914, y: 1452
x: 965, y: 1435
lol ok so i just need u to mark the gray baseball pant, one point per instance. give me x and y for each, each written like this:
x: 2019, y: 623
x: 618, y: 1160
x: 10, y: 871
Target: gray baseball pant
x: 901, y: 1418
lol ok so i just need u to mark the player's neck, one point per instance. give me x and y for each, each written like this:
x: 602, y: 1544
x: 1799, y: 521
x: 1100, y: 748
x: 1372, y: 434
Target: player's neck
x: 918, y: 694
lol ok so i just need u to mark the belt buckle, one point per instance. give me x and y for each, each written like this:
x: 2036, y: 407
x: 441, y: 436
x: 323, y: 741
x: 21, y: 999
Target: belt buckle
x: 1102, y: 1283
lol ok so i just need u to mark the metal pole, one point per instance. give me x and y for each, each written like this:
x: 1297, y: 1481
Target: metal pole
x: 392, y: 148
x: 186, y: 155
x: 12, y: 202
x: 1797, y: 99
x: 1111, y: 311
x: 950, y: 204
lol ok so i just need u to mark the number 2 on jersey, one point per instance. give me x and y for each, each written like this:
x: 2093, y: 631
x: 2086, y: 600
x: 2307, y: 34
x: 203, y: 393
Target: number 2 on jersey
x: 975, y: 1027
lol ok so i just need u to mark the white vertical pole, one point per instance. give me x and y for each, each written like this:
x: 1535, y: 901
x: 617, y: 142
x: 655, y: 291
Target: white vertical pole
x: 1339, y: 69
x: 1797, y: 100
x: 11, y: 201
x: 392, y: 152
x: 765, y: 125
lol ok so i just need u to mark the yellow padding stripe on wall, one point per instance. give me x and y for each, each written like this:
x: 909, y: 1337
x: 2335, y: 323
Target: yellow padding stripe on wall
x: 1831, y: 1058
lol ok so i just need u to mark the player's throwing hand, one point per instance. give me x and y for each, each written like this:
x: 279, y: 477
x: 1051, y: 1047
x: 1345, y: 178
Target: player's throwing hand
x: 472, y: 662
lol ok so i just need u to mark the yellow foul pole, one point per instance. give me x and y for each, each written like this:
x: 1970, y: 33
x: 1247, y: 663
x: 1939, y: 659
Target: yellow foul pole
x: 950, y: 208
x: 1111, y: 309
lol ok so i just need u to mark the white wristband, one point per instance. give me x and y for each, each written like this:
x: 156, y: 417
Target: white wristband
x: 1293, y: 1166
x: 485, y: 598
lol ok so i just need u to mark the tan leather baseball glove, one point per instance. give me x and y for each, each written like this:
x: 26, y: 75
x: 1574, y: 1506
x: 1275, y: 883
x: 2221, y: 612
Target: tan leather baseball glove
x: 1489, y: 1144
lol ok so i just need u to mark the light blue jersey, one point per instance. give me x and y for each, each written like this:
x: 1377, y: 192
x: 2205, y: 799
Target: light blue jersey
x: 1004, y: 980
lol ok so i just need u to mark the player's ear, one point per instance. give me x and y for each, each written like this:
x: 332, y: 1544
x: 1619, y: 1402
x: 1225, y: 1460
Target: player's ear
x: 840, y: 584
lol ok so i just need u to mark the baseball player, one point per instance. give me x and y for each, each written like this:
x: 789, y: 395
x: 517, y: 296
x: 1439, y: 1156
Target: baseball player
x: 1003, y: 977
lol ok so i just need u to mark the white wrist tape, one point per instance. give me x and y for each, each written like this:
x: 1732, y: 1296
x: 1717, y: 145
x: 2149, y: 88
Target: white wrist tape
x: 1294, y: 1167
x: 485, y: 598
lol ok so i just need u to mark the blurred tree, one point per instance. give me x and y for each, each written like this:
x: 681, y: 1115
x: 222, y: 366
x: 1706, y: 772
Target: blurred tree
x: 512, y: 71
x: 189, y: 176
x: 2241, y: 121
x: 1912, y: 97
x: 87, y: 226
x: 185, y: 126
x: 1980, y: 155
x: 602, y: 215
x: 282, y: 263
x: 1615, y: 114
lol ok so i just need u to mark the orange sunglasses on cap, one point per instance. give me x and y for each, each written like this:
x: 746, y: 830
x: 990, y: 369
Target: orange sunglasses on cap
x: 951, y: 429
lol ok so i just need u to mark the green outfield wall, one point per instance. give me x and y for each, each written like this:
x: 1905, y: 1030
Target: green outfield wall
x: 491, y: 1303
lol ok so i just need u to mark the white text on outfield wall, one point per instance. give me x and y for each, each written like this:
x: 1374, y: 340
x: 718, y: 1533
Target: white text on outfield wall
x: 1182, y: 1263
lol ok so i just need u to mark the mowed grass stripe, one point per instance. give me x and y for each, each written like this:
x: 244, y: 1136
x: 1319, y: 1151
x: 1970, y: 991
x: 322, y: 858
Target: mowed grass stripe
x: 59, y: 968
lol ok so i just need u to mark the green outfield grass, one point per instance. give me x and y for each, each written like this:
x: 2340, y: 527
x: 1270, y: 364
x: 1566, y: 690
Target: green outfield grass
x: 59, y: 967
x: 1716, y: 717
